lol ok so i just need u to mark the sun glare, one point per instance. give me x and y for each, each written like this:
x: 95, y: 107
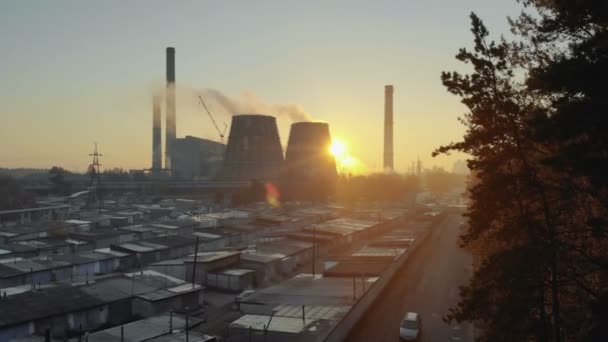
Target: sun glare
x: 337, y: 149
x: 345, y: 162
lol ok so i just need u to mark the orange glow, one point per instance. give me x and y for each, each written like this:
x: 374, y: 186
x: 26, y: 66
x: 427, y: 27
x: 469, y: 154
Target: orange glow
x: 345, y: 162
x: 272, y: 195
x: 337, y: 149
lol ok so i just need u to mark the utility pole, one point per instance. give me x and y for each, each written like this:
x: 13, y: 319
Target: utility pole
x: 95, y: 198
x: 194, y: 263
x: 266, y: 326
x: 314, y: 242
x: 187, y: 327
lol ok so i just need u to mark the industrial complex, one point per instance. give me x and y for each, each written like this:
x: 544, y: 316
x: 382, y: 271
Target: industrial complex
x: 253, y: 150
x: 188, y: 158
x: 125, y: 261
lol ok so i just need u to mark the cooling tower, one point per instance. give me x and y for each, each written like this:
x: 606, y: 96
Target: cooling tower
x: 254, y: 149
x: 310, y: 169
x: 170, y: 132
x: 156, y: 136
x: 388, y: 128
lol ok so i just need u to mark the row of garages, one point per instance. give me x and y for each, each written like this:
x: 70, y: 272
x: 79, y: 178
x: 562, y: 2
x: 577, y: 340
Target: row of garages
x: 72, y: 310
x: 268, y: 260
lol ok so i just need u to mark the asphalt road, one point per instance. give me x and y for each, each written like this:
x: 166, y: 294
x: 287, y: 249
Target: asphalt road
x: 427, y: 284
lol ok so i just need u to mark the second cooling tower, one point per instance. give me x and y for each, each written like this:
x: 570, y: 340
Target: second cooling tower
x: 310, y: 169
x: 254, y: 149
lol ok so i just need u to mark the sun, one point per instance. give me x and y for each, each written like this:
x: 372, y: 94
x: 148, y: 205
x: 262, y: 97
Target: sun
x: 337, y: 149
x: 345, y: 162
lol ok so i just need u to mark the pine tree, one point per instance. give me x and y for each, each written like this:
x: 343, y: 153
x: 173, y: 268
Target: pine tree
x: 514, y: 293
x: 536, y: 136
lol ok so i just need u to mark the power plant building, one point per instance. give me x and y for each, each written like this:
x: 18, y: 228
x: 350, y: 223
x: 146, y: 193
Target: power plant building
x: 310, y: 169
x: 196, y: 158
x: 188, y: 158
x: 254, y: 149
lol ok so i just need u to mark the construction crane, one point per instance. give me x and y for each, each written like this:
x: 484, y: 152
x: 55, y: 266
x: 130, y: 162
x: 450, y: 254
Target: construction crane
x: 217, y: 128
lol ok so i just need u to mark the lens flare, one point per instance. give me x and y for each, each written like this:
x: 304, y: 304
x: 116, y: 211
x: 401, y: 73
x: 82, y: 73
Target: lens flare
x: 273, y: 196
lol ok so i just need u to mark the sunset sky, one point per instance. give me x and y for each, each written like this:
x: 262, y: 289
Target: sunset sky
x: 73, y: 73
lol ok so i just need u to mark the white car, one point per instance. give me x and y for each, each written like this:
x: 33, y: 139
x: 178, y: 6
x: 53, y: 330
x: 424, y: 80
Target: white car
x: 241, y: 297
x: 410, y: 327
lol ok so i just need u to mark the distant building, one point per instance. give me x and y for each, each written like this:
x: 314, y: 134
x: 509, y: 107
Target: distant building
x: 196, y: 158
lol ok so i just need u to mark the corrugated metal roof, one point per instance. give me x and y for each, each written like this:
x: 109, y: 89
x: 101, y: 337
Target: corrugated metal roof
x: 277, y: 324
x: 7, y: 271
x: 330, y: 312
x: 236, y: 271
x: 136, y: 248
x: 111, y: 252
x: 143, y: 330
x: 262, y: 258
x: 207, y: 236
x: 29, y: 306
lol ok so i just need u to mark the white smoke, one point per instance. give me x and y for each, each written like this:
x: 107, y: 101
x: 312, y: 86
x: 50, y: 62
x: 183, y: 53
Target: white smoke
x: 246, y: 103
x: 249, y: 103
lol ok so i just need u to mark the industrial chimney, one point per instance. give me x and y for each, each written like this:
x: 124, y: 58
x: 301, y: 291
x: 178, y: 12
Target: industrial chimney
x: 307, y: 154
x: 309, y: 171
x: 254, y: 149
x: 388, y: 128
x: 157, y: 163
x: 170, y: 113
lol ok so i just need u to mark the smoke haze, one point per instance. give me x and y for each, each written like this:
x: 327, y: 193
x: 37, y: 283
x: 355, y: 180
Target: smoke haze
x: 249, y: 103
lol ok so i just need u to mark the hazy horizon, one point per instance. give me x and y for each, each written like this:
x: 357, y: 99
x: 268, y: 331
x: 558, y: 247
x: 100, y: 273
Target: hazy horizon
x: 95, y: 67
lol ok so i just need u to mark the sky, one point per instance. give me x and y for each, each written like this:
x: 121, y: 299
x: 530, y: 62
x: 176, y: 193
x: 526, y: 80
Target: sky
x: 74, y: 73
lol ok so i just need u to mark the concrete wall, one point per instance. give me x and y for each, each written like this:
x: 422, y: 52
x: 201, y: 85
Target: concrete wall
x: 120, y: 312
x: 145, y: 308
x: 73, y: 322
x: 203, y: 268
x: 79, y: 272
x: 230, y: 282
x: 17, y: 331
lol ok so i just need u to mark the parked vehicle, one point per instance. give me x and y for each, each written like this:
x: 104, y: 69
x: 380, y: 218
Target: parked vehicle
x: 411, y: 327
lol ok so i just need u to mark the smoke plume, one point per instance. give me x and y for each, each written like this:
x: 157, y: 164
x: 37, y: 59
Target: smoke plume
x: 249, y: 103
x: 246, y: 103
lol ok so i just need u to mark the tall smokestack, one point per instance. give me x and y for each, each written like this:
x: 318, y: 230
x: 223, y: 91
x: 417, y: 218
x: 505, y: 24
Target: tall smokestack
x: 157, y: 157
x: 388, y: 128
x: 170, y: 98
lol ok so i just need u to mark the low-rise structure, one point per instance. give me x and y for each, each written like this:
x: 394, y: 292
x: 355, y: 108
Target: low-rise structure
x: 72, y: 310
x: 162, y: 328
